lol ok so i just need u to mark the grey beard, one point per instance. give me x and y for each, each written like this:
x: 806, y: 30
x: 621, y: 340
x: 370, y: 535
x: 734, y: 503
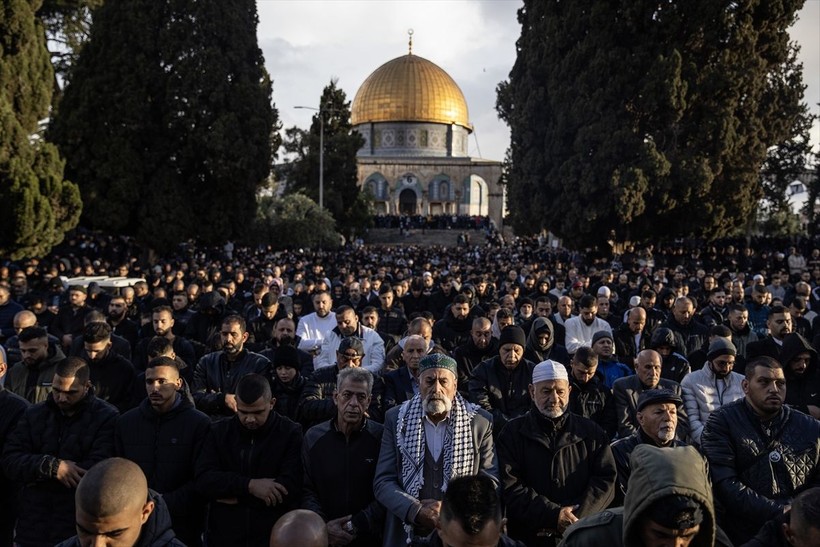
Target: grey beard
x: 437, y: 405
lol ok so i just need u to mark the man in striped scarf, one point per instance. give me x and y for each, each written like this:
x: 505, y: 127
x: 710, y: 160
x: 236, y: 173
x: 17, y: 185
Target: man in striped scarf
x: 434, y: 437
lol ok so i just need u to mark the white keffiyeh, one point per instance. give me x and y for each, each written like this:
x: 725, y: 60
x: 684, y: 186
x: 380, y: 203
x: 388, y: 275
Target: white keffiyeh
x: 458, y: 450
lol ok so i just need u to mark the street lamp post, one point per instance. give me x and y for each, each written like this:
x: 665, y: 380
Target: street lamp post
x: 321, y: 152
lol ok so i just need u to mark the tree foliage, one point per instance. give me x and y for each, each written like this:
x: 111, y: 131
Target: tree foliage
x: 633, y: 119
x: 342, y: 196
x: 37, y: 206
x: 67, y: 24
x: 167, y: 120
x: 294, y: 221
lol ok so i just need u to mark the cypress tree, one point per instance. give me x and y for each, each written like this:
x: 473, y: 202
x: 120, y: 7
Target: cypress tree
x: 166, y: 122
x: 37, y: 206
x: 632, y: 119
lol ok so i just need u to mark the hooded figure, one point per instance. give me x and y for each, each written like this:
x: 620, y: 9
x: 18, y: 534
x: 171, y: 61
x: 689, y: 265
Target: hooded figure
x: 802, y: 380
x: 674, y: 365
x: 536, y: 352
x: 669, y: 487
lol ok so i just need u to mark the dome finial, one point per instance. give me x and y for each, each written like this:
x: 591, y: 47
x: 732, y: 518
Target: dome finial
x: 410, y: 40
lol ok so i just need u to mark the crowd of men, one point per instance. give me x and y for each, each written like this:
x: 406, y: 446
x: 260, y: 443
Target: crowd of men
x: 515, y: 395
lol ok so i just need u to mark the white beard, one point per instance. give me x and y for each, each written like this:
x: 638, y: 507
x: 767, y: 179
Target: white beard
x: 436, y: 405
x: 666, y: 433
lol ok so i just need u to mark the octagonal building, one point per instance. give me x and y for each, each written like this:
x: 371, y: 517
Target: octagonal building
x: 416, y: 127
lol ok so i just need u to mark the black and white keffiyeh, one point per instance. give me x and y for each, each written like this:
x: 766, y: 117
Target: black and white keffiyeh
x: 458, y: 450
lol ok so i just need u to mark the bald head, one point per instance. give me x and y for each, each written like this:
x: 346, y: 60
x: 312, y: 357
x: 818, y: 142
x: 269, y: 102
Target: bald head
x: 24, y: 319
x: 111, y: 487
x: 299, y: 527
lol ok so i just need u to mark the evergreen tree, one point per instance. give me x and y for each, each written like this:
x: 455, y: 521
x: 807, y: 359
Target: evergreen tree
x: 37, y: 206
x: 342, y: 196
x: 632, y: 119
x: 167, y: 120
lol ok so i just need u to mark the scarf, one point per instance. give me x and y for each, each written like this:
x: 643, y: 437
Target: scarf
x: 458, y: 450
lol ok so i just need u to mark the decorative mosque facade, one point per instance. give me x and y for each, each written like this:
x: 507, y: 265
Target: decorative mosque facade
x: 415, y: 124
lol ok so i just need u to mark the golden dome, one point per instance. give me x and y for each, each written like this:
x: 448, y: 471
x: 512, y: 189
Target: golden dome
x: 410, y: 89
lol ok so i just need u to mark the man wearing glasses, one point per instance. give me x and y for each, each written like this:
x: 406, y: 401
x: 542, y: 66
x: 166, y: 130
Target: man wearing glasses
x: 317, y: 404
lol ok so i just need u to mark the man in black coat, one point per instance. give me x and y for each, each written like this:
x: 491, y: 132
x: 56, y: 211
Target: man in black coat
x: 12, y: 407
x: 338, y: 456
x: 589, y: 396
x: 53, y: 446
x: 779, y: 323
x: 501, y: 385
x: 556, y: 466
x: 217, y: 373
x: 453, y: 329
x: 250, y: 468
x: 761, y: 453
x: 113, y: 376
x: 164, y: 435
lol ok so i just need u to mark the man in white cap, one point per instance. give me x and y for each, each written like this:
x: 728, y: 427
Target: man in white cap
x: 556, y: 467
x: 434, y: 437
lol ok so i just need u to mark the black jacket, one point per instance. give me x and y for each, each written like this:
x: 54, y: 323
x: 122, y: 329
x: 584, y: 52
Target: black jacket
x: 398, y: 387
x: 547, y: 464
x: 183, y: 349
x: 801, y: 390
x: 233, y: 455
x: 621, y: 450
x: 335, y: 469
x: 288, y: 395
x: 594, y: 401
x: 755, y: 475
x: 215, y: 375
x: 316, y: 404
x: 43, y: 433
x: 450, y: 332
x: 166, y: 446
x: 156, y: 532
x: 766, y: 346
x: 503, y: 393
x: 113, y: 378
x: 690, y: 337
x: 468, y: 356
x: 305, y: 359
x: 11, y: 409
x: 771, y: 534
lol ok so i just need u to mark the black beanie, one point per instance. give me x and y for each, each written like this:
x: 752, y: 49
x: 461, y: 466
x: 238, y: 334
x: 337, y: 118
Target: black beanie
x: 513, y: 335
x: 286, y: 356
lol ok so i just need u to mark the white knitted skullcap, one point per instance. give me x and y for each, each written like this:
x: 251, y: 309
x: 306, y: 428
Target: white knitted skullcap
x: 549, y: 370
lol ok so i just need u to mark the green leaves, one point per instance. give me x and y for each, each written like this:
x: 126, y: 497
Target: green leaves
x: 647, y: 120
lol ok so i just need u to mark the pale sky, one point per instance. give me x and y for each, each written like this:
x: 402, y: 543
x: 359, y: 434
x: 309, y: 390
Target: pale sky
x: 308, y: 42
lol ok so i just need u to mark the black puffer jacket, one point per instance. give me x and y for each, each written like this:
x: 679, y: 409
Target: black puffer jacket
x: 156, y: 532
x: 468, y: 356
x: 215, y: 375
x: 755, y: 475
x: 547, y: 464
x: 450, y: 332
x: 802, y: 390
x: 594, y: 401
x: 501, y: 392
x: 166, y: 446
x: 231, y: 457
x: 12, y: 407
x: 43, y: 433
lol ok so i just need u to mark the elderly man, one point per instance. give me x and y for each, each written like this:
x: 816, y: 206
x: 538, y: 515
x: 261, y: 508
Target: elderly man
x: 711, y: 387
x: 657, y: 419
x: 556, y: 467
x: 432, y: 438
x: 581, y: 328
x: 338, y: 456
x: 501, y: 385
x: 316, y: 402
x: 628, y: 390
x: 402, y: 384
x: 689, y: 332
x: 761, y: 452
x: 630, y: 338
x: 347, y: 324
